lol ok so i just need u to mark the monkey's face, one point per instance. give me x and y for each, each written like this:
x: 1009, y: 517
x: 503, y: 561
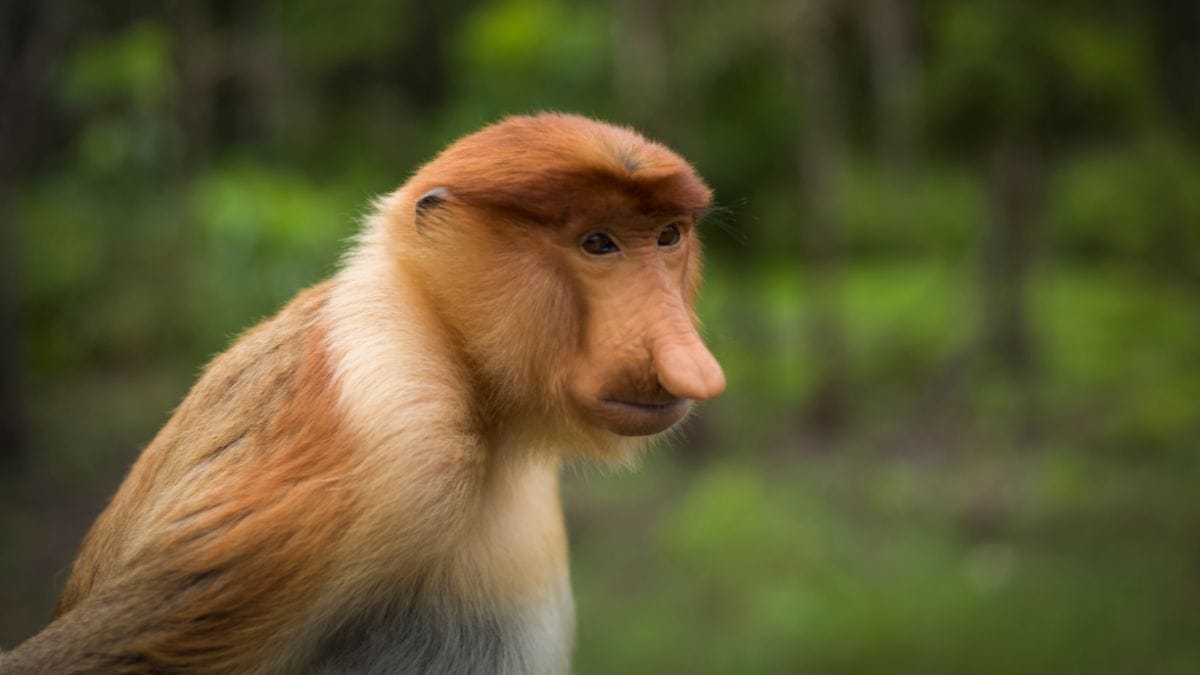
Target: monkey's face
x: 641, y: 362
x: 593, y: 317
x: 562, y: 254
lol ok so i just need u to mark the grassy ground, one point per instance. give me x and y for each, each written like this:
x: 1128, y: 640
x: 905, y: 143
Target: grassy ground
x: 982, y: 564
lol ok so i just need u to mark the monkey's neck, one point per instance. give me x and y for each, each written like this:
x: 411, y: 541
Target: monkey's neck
x: 391, y: 364
x: 406, y: 394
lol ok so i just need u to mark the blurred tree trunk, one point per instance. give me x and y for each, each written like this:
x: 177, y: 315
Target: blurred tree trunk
x: 31, y: 37
x: 1175, y: 40
x: 202, y: 59
x: 198, y: 66
x: 12, y: 411
x: 640, y: 61
x: 888, y: 27
x: 1014, y: 177
x: 820, y: 155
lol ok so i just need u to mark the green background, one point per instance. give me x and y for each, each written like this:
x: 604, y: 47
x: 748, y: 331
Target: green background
x: 954, y: 284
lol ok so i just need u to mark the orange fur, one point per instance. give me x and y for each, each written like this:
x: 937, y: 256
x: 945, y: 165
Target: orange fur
x: 370, y: 478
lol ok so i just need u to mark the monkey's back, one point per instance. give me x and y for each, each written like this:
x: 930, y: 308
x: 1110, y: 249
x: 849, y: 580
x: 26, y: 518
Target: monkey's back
x: 220, y: 531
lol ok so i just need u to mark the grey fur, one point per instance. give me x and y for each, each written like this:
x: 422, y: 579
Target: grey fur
x: 407, y: 638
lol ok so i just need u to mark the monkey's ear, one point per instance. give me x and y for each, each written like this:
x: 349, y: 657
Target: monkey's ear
x: 431, y: 200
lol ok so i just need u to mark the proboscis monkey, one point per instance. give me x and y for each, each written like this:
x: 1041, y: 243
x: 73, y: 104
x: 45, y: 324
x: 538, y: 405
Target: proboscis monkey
x: 368, y: 481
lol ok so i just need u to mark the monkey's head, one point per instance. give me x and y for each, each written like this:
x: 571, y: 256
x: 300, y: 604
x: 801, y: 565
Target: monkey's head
x: 562, y: 254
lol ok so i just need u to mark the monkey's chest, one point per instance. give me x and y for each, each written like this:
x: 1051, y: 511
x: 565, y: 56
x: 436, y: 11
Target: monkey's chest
x: 415, y: 638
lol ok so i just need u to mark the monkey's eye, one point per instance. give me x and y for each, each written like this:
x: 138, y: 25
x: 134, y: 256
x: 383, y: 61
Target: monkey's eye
x: 669, y: 236
x: 598, y: 243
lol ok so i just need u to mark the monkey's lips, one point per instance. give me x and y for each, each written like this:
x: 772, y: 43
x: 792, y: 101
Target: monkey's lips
x: 639, y: 418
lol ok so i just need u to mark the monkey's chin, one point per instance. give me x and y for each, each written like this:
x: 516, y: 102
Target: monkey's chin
x: 632, y: 418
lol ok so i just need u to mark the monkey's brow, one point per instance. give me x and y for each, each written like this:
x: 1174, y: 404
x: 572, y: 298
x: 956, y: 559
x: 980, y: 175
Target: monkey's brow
x: 625, y: 219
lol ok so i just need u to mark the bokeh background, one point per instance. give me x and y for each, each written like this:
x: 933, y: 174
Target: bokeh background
x: 955, y: 285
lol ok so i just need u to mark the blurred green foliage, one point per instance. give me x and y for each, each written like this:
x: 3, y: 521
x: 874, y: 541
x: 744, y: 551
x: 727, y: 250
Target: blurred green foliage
x: 993, y: 171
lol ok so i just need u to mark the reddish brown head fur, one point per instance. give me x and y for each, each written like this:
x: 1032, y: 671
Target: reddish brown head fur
x: 550, y: 168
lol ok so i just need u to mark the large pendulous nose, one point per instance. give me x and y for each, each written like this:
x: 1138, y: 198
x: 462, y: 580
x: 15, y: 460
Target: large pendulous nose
x: 684, y: 366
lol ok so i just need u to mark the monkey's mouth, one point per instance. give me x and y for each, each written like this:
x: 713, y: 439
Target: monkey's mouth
x: 640, y: 418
